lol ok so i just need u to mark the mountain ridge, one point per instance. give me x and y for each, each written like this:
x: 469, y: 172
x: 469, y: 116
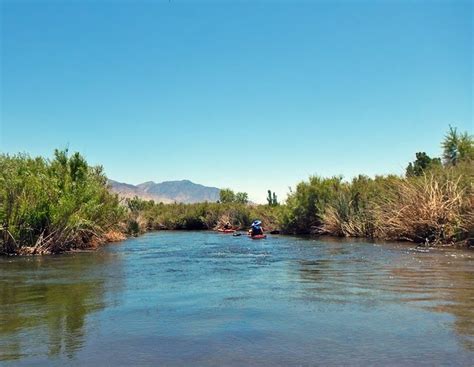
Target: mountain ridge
x: 181, y: 191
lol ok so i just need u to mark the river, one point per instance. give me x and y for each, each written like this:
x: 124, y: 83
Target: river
x: 206, y: 299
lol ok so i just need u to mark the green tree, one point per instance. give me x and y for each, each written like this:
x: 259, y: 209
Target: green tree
x: 269, y: 198
x: 457, y: 147
x: 226, y: 196
x: 272, y: 198
x: 242, y: 197
x: 422, y: 163
x: 136, y: 204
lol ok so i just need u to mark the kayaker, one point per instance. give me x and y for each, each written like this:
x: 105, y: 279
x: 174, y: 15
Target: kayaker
x: 256, y: 228
x: 226, y: 227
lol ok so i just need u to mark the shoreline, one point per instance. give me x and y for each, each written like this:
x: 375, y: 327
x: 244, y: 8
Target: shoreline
x: 62, y: 204
x: 467, y: 244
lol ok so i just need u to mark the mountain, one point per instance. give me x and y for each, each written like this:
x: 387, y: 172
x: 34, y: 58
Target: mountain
x: 183, y: 191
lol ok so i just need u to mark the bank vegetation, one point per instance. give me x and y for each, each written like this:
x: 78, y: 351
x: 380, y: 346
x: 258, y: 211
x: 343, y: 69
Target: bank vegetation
x: 63, y: 204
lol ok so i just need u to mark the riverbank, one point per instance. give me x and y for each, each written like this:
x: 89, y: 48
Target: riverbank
x: 50, y: 206
x: 93, y: 244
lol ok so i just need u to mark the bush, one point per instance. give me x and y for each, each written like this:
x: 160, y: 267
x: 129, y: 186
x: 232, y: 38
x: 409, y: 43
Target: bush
x: 432, y: 209
x: 306, y: 206
x: 50, y: 206
x: 201, y: 216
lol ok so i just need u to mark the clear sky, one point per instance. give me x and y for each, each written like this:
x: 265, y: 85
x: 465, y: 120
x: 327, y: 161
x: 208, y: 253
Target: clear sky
x: 247, y: 95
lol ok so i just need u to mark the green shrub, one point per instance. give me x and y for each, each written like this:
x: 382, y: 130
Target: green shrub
x: 53, y: 205
x: 305, y: 206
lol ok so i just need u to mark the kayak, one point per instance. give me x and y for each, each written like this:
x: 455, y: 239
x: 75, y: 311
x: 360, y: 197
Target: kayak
x: 258, y: 237
x: 226, y: 230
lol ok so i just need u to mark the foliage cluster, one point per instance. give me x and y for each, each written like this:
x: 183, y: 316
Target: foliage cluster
x: 50, y: 206
x: 229, y: 196
x: 272, y: 199
x: 198, y: 216
x: 434, y: 203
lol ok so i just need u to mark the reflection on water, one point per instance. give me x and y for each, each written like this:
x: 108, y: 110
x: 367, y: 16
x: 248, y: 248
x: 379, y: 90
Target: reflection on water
x: 442, y: 284
x: 437, y: 280
x: 45, y: 302
x: 207, y: 299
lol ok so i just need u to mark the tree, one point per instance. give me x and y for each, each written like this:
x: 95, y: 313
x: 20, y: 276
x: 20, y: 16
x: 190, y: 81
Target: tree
x: 226, y: 196
x: 275, y: 201
x: 136, y: 204
x: 242, y: 197
x: 422, y: 163
x: 457, y: 147
x: 272, y: 198
x: 269, y: 197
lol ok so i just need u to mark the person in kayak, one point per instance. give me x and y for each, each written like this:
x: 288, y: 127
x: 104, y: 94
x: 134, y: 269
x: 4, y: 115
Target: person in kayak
x: 226, y: 227
x: 256, y: 229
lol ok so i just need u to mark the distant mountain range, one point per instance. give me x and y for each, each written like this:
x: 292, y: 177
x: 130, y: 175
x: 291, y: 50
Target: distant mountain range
x: 183, y: 191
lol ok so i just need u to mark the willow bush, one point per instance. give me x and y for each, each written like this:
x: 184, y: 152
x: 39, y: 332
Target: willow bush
x: 305, y: 207
x: 433, y: 203
x: 200, y: 216
x: 50, y: 206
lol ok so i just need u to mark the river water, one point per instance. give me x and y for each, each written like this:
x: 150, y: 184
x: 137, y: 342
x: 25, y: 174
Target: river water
x: 206, y: 299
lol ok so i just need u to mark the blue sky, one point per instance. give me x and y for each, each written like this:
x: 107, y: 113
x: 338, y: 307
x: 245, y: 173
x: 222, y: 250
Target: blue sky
x: 247, y: 95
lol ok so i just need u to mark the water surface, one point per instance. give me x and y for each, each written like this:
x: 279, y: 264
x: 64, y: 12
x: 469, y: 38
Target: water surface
x: 199, y: 298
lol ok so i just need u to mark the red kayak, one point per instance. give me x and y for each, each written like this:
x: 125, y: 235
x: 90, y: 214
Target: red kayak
x: 226, y: 230
x: 258, y: 237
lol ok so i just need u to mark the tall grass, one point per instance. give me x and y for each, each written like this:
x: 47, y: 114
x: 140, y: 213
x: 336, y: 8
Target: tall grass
x: 58, y: 204
x: 437, y: 207
x: 351, y: 213
x: 433, y: 204
x: 50, y: 206
x: 199, y: 216
x: 429, y: 209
